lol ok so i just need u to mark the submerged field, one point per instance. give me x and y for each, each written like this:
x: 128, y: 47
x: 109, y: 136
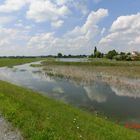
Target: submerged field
x: 99, y: 66
x: 115, y: 73
x: 70, y: 70
x: 41, y: 118
x: 121, y: 75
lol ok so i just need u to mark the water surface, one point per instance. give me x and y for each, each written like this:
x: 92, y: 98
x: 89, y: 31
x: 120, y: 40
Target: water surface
x: 73, y: 59
x: 96, y: 96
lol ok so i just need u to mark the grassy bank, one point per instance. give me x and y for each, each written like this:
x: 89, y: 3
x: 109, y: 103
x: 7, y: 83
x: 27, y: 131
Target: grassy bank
x: 16, y: 61
x: 42, y: 118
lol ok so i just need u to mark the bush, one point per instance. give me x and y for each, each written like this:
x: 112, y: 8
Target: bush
x: 98, y: 54
x: 111, y: 54
x: 122, y: 57
x: 60, y: 55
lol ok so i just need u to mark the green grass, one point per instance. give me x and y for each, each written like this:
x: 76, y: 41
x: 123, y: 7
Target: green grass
x: 42, y: 118
x: 16, y: 61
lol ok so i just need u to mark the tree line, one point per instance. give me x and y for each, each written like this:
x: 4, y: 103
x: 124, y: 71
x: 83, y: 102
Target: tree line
x: 112, y: 54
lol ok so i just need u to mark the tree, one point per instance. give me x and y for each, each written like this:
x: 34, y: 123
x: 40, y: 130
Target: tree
x: 111, y: 54
x: 98, y: 54
x: 95, y: 50
x: 128, y: 58
x: 60, y: 55
x: 128, y: 53
x: 122, y: 53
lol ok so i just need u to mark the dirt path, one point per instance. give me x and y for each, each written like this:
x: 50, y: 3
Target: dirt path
x: 7, y: 133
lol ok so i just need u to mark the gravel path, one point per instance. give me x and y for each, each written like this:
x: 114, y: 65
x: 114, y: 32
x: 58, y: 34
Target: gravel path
x: 7, y: 133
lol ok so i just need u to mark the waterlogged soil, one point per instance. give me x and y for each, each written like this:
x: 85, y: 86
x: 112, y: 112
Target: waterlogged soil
x: 7, y: 132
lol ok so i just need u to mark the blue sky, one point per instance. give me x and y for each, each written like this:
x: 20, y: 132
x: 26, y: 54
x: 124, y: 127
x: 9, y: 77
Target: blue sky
x: 43, y: 27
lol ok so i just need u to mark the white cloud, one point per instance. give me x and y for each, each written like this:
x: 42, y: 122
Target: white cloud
x: 89, y: 29
x: 57, y: 24
x: 44, y: 39
x: 53, y: 11
x: 124, y: 34
x: 94, y: 95
x: 6, y: 36
x: 62, y: 2
x: 23, y: 26
x: 6, y: 19
x: 136, y: 41
x: 12, y: 40
x: 126, y: 23
x: 80, y: 40
x: 81, y: 7
x: 41, y: 11
x: 12, y: 5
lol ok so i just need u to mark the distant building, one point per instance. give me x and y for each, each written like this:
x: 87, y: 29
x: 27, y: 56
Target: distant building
x: 135, y: 55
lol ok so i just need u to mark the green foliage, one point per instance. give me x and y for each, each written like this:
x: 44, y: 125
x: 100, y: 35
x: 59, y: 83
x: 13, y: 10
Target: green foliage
x: 98, y: 54
x: 128, y: 53
x: 128, y: 57
x: 120, y: 57
x: 60, y: 55
x: 122, y: 53
x: 123, y: 57
x: 111, y: 54
x: 95, y: 50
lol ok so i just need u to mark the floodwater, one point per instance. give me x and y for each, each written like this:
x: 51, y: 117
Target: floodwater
x: 73, y: 59
x: 97, y: 96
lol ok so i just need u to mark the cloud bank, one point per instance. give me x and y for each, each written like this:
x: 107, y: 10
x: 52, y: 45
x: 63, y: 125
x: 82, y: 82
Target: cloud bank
x: 124, y: 34
x: 22, y: 20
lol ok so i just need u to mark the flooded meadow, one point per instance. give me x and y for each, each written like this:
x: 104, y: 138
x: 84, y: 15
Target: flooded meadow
x: 92, y: 89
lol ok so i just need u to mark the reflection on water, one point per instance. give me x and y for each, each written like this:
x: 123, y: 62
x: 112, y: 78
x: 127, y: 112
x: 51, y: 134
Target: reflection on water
x: 100, y: 96
x: 73, y: 59
x: 96, y: 93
